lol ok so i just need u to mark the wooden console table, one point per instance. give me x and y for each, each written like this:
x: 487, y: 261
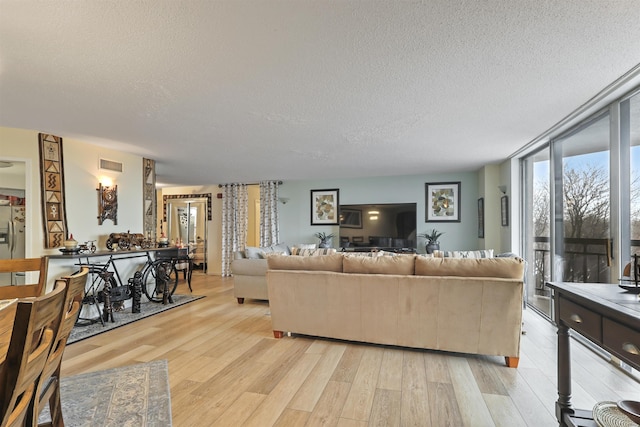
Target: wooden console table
x: 605, y: 314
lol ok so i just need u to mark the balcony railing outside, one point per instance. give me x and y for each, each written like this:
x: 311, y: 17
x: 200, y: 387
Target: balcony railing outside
x: 586, y: 260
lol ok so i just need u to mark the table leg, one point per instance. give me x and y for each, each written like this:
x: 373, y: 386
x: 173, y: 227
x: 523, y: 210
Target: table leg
x: 563, y: 404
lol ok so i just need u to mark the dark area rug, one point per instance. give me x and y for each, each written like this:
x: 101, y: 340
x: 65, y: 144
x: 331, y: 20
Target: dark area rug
x: 124, y: 317
x: 135, y: 396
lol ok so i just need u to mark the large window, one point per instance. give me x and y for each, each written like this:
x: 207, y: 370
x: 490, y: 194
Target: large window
x: 577, y: 229
x: 582, y: 194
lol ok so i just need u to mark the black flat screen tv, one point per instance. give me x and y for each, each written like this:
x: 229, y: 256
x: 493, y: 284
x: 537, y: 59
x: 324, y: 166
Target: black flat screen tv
x: 390, y: 226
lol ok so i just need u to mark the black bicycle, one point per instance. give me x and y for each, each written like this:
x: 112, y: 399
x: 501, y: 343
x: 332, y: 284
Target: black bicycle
x: 159, y: 280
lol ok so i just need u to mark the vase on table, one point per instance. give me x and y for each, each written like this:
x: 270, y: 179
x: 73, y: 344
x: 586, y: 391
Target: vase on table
x: 432, y: 247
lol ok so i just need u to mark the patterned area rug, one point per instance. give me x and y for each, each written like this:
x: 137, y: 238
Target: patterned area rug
x: 135, y: 396
x: 125, y: 317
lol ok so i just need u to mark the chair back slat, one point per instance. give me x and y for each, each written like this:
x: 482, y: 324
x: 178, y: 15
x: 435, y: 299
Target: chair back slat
x: 48, y: 388
x: 7, y: 317
x: 41, y: 265
x: 36, y: 325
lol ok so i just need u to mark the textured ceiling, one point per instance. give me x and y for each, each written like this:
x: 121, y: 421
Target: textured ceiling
x: 245, y: 90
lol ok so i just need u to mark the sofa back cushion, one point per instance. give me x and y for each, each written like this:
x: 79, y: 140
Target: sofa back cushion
x: 400, y: 264
x: 331, y: 262
x: 507, y: 268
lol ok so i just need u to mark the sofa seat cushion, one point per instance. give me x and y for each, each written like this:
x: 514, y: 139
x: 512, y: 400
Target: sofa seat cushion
x: 507, y: 268
x: 331, y: 262
x: 400, y: 264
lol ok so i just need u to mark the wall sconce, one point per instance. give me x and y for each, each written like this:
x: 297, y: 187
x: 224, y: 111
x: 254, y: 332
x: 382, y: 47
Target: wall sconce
x: 503, y: 189
x: 283, y: 200
x: 373, y: 215
x: 107, y: 203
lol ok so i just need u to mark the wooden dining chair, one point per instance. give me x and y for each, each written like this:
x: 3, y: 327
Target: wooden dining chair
x: 7, y: 317
x: 17, y: 265
x: 48, y: 387
x: 36, y: 324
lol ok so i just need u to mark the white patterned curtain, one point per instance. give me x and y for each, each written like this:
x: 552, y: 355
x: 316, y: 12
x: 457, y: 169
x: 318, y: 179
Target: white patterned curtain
x: 234, y: 223
x: 269, y: 223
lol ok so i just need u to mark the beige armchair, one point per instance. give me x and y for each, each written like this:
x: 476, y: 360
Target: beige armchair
x: 249, y: 277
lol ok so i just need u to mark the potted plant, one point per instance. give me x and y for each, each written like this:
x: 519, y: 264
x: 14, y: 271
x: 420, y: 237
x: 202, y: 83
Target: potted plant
x: 325, y: 239
x: 432, y: 240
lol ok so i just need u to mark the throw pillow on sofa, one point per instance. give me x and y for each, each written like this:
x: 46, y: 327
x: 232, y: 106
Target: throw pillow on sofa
x: 305, y: 246
x: 259, y: 253
x: 484, y: 253
x: 253, y: 253
x: 370, y: 254
x: 313, y: 252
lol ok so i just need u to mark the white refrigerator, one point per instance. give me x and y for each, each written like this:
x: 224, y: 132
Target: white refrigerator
x: 12, y: 240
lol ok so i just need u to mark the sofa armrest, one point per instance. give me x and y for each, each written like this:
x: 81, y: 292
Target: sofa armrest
x: 249, y: 267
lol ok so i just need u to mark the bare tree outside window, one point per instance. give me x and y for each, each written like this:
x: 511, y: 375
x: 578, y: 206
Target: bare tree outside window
x: 586, y: 202
x: 586, y: 222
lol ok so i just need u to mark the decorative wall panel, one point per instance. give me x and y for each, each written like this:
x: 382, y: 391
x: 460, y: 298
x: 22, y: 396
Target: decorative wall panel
x: 149, y: 210
x: 54, y: 214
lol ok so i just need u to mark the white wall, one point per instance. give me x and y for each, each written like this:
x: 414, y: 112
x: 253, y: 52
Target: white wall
x: 81, y: 175
x: 488, y: 182
x: 295, y: 216
x: 510, y: 236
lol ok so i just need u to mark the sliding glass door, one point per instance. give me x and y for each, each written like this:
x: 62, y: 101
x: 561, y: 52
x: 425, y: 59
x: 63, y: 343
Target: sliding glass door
x: 538, y: 230
x: 582, y: 242
x: 581, y: 204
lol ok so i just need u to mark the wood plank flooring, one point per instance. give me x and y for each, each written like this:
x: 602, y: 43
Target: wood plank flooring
x: 226, y: 369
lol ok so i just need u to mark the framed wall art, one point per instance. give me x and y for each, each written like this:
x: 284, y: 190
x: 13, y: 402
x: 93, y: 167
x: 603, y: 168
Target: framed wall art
x: 504, y: 210
x: 481, y: 218
x: 324, y: 207
x: 442, y: 202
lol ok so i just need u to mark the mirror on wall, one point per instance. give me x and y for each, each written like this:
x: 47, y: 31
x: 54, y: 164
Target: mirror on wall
x: 187, y: 225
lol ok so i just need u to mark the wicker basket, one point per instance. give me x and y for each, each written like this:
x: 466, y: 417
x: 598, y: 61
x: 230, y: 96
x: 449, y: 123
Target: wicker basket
x: 607, y: 414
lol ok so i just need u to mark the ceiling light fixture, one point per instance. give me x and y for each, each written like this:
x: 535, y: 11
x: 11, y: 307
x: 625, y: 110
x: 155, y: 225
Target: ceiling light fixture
x: 5, y: 164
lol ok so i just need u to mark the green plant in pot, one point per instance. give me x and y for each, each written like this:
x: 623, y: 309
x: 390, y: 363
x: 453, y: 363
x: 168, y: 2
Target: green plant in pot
x: 432, y: 240
x: 325, y: 239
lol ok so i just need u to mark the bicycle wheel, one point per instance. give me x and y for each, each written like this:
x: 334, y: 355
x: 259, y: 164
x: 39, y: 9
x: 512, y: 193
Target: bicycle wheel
x: 95, y: 283
x: 93, y: 294
x: 155, y: 277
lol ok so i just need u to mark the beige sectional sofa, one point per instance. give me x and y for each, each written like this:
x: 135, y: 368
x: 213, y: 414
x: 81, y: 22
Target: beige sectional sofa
x: 459, y: 305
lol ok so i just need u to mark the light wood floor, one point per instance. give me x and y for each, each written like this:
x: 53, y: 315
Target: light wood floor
x: 226, y: 369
